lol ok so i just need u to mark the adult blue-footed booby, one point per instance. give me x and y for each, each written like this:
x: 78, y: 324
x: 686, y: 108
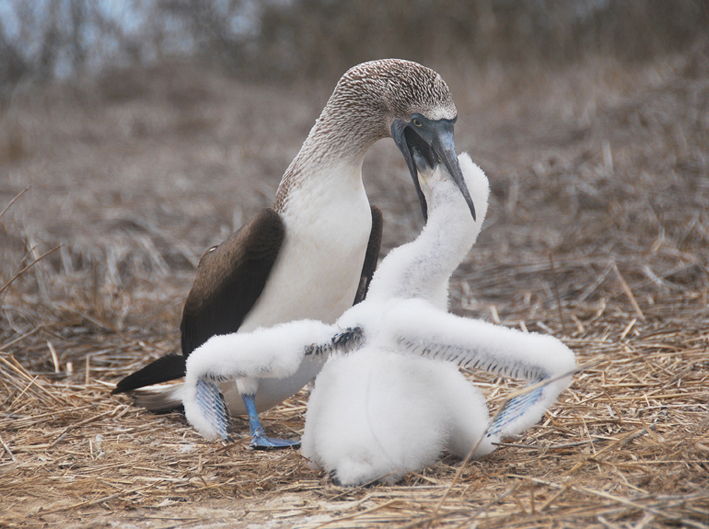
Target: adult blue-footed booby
x: 313, y: 254
x: 390, y: 397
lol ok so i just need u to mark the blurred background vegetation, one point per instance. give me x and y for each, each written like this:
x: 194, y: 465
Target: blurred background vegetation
x: 285, y: 40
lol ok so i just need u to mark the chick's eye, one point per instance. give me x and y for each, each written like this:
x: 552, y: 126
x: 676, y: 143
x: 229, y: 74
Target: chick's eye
x: 417, y: 122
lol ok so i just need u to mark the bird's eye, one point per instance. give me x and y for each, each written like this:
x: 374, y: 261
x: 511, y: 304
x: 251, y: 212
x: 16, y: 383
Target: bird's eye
x: 417, y: 122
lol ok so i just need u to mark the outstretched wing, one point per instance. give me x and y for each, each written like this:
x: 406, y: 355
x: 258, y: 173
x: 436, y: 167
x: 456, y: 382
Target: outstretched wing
x: 417, y: 327
x: 268, y: 352
x: 274, y: 352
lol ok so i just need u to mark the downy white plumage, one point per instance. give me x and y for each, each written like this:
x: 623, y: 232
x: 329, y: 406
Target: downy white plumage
x: 390, y: 397
x: 311, y: 255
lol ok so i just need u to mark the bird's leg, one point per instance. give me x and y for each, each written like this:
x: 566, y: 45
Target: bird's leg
x: 259, y: 441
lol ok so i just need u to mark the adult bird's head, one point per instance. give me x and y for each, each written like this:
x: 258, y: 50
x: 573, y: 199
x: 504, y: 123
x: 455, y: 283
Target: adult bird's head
x: 401, y: 99
x: 423, y: 119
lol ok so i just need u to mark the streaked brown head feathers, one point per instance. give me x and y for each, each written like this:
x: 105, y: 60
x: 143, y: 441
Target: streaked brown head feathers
x: 360, y: 111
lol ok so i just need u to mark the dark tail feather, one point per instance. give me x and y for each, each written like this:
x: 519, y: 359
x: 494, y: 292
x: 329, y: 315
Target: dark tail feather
x: 163, y: 369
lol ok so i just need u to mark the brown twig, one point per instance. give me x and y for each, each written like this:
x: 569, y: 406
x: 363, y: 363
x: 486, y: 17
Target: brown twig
x: 27, y: 267
x: 17, y: 197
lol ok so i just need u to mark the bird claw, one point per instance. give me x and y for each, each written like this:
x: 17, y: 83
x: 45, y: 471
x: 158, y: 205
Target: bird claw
x: 261, y: 442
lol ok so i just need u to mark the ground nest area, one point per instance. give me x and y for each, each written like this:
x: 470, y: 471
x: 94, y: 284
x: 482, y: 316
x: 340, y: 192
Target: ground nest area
x: 597, y: 233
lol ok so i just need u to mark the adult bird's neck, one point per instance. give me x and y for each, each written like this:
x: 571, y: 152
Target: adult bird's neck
x: 333, y: 153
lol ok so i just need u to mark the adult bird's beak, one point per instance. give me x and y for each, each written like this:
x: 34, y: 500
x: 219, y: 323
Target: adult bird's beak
x: 433, y: 140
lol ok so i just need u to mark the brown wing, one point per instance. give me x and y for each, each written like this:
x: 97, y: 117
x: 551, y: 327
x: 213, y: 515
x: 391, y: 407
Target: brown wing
x: 230, y: 278
x: 372, y: 255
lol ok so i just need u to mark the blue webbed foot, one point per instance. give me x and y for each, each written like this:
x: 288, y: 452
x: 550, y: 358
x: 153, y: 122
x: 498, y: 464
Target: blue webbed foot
x: 259, y: 441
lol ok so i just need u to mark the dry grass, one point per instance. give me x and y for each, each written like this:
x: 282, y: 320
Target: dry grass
x: 598, y: 233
